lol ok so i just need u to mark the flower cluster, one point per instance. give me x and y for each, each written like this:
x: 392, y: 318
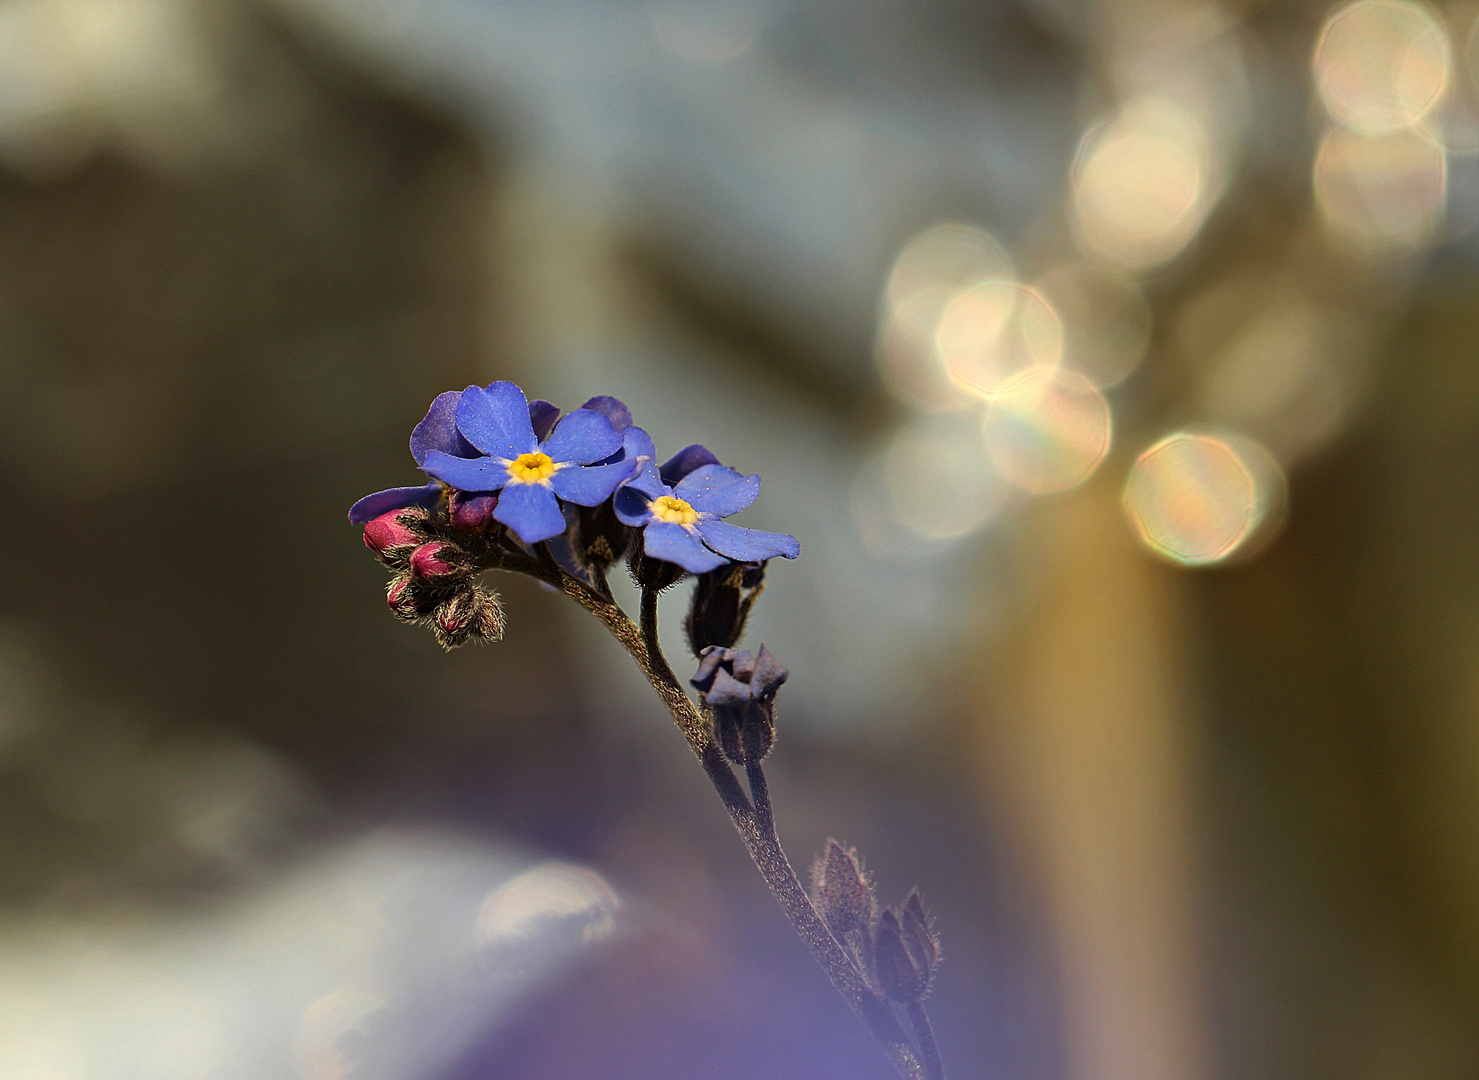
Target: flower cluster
x: 513, y: 485
x: 512, y: 480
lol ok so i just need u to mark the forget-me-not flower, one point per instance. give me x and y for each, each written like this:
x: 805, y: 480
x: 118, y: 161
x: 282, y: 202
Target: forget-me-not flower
x: 438, y: 431
x: 530, y: 475
x: 679, y: 508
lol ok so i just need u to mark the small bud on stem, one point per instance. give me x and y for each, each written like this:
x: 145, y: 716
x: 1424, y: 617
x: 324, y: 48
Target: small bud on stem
x: 721, y: 605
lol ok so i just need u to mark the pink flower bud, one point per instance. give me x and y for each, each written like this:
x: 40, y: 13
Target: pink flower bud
x: 455, y: 617
x: 471, y: 513
x: 405, y: 599
x: 439, y: 563
x: 388, y: 531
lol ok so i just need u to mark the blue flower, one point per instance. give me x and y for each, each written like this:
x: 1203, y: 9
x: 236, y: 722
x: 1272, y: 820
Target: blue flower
x: 531, y: 475
x: 679, y: 508
x: 438, y: 431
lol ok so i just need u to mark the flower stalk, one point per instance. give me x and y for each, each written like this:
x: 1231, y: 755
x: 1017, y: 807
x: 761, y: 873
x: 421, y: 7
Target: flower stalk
x: 516, y: 488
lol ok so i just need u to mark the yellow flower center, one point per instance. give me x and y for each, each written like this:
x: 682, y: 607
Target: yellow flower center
x: 675, y: 511
x: 533, y: 468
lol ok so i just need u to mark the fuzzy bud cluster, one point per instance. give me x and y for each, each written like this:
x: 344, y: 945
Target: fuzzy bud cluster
x: 897, y: 948
x: 433, y: 582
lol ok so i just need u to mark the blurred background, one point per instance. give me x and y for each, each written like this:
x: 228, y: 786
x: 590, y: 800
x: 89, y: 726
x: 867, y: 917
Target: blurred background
x: 1115, y: 361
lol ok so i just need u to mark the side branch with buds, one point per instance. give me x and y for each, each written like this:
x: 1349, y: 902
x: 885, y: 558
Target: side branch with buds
x: 516, y: 487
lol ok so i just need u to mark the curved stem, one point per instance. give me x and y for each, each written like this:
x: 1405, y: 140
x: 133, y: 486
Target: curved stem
x: 925, y: 1035
x: 753, y: 820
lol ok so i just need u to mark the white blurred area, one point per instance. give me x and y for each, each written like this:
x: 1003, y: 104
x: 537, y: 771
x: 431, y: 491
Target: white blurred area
x: 377, y: 959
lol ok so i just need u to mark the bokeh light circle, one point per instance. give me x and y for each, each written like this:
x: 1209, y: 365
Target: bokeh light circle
x: 1105, y: 318
x: 1141, y: 184
x: 993, y: 331
x: 1048, y: 430
x: 1381, y: 191
x: 930, y: 270
x: 1197, y: 499
x: 1381, y: 65
x: 937, y: 480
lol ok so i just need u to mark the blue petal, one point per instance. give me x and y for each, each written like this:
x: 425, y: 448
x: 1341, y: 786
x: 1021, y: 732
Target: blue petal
x: 685, y: 461
x: 496, y: 420
x: 709, y: 492
x: 543, y: 416
x: 637, y: 443
x: 704, y: 480
x: 590, y: 485
x: 632, y: 505
x: 438, y: 430
x: 467, y: 474
x: 675, y: 544
x: 612, y: 409
x: 531, y: 511
x: 746, y: 545
x: 383, y: 502
x: 583, y: 437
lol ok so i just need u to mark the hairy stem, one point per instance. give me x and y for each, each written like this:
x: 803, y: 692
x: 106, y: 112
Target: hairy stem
x: 924, y: 1035
x: 753, y: 820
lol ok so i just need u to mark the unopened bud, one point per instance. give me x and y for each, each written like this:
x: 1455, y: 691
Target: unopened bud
x: 905, y: 951
x: 652, y: 575
x: 470, y: 614
x: 393, y: 533
x: 488, y: 616
x: 454, y: 617
x: 842, y: 891
x: 439, y: 563
x: 471, y: 513
x: 721, y: 605
x: 408, y: 601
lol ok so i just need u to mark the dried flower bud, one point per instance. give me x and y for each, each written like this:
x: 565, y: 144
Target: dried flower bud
x: 906, y: 951
x: 408, y: 600
x: 392, y: 535
x: 471, y: 513
x: 843, y: 894
x: 721, y: 604
x: 439, y: 563
x: 740, y: 689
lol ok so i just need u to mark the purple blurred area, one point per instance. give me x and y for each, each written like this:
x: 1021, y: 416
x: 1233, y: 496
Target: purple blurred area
x: 1113, y: 361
